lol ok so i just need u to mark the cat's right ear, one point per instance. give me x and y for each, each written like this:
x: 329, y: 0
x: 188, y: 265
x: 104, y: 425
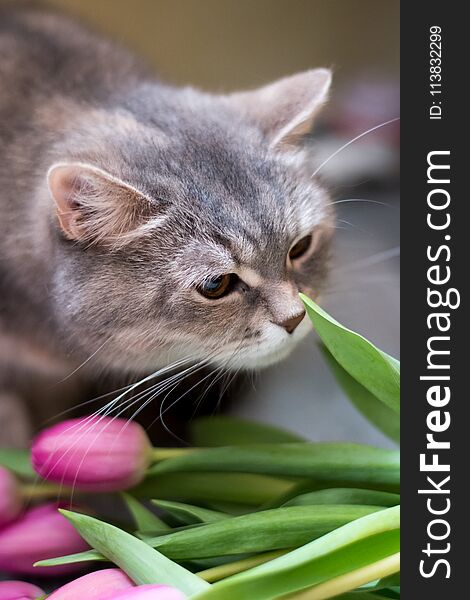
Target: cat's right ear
x: 95, y: 207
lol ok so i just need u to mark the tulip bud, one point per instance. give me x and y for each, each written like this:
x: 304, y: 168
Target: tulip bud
x: 10, y: 497
x: 96, y: 453
x: 19, y: 590
x: 41, y: 533
x: 99, y: 585
x: 150, y: 592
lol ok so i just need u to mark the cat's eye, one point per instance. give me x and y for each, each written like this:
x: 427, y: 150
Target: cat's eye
x: 300, y: 248
x: 218, y: 286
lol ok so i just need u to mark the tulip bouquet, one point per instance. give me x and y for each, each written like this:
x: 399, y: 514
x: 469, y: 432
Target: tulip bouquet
x: 248, y: 512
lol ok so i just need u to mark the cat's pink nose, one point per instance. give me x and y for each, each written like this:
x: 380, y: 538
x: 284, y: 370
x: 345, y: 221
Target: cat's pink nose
x: 290, y: 324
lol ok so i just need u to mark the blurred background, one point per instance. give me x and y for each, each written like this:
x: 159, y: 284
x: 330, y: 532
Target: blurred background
x: 222, y: 45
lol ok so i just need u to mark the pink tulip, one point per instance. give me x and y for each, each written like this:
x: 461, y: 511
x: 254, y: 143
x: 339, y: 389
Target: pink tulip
x: 40, y: 534
x: 19, y: 590
x: 95, y: 453
x: 150, y: 592
x: 100, y: 585
x: 10, y: 497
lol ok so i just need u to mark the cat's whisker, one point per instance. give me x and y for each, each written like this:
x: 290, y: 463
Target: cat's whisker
x: 159, y: 388
x: 339, y: 228
x: 218, y: 373
x: 91, y: 401
x: 225, y: 367
x: 373, y: 260
x: 203, y: 393
x: 354, y: 139
x: 103, y: 412
x: 154, y: 391
x: 170, y: 382
x: 347, y: 223
x: 128, y: 403
x: 163, y: 412
x: 86, y: 402
x: 200, y: 366
x: 254, y: 378
x: 86, y: 361
x: 215, y: 372
x: 173, y: 387
x: 228, y: 382
x: 360, y: 200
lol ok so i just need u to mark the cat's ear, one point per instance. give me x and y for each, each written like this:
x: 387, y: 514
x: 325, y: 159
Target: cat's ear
x: 95, y: 207
x: 285, y: 109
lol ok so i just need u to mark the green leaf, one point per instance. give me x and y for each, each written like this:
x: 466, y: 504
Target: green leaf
x: 189, y: 514
x: 144, y: 519
x: 358, y: 596
x: 230, y: 508
x: 375, y: 411
x: 94, y: 555
x: 142, y: 563
x: 221, y: 571
x: 315, y: 485
x: 244, y: 488
x: 390, y: 582
x: 352, y: 579
x: 231, y: 431
x: 257, y: 532
x: 321, y: 461
x: 17, y: 461
x: 393, y: 593
x: 358, y: 544
x: 345, y: 496
x: 374, y: 369
x: 88, y: 555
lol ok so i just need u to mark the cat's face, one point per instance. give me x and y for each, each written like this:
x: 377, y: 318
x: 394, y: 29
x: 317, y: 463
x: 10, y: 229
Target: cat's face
x: 191, y: 231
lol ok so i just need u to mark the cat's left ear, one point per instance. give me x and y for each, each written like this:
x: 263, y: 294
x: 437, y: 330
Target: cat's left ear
x: 285, y: 110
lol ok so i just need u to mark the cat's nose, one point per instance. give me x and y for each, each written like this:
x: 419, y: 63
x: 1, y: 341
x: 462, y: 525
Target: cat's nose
x: 290, y: 324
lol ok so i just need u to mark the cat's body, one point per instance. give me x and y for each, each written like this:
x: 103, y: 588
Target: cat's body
x: 127, y: 205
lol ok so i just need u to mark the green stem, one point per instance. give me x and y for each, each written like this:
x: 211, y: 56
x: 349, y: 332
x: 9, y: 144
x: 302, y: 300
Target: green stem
x: 217, y: 573
x: 159, y: 454
x: 350, y: 581
x: 36, y: 491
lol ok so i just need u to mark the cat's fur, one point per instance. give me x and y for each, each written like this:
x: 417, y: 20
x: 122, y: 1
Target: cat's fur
x: 120, y: 195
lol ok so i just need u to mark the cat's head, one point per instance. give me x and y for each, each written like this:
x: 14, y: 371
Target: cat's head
x: 186, y: 224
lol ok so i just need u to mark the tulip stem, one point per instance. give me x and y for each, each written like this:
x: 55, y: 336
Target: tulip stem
x: 33, y: 491
x: 159, y: 454
x: 217, y: 573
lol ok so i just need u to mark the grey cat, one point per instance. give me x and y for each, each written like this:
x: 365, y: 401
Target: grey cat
x: 144, y: 226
